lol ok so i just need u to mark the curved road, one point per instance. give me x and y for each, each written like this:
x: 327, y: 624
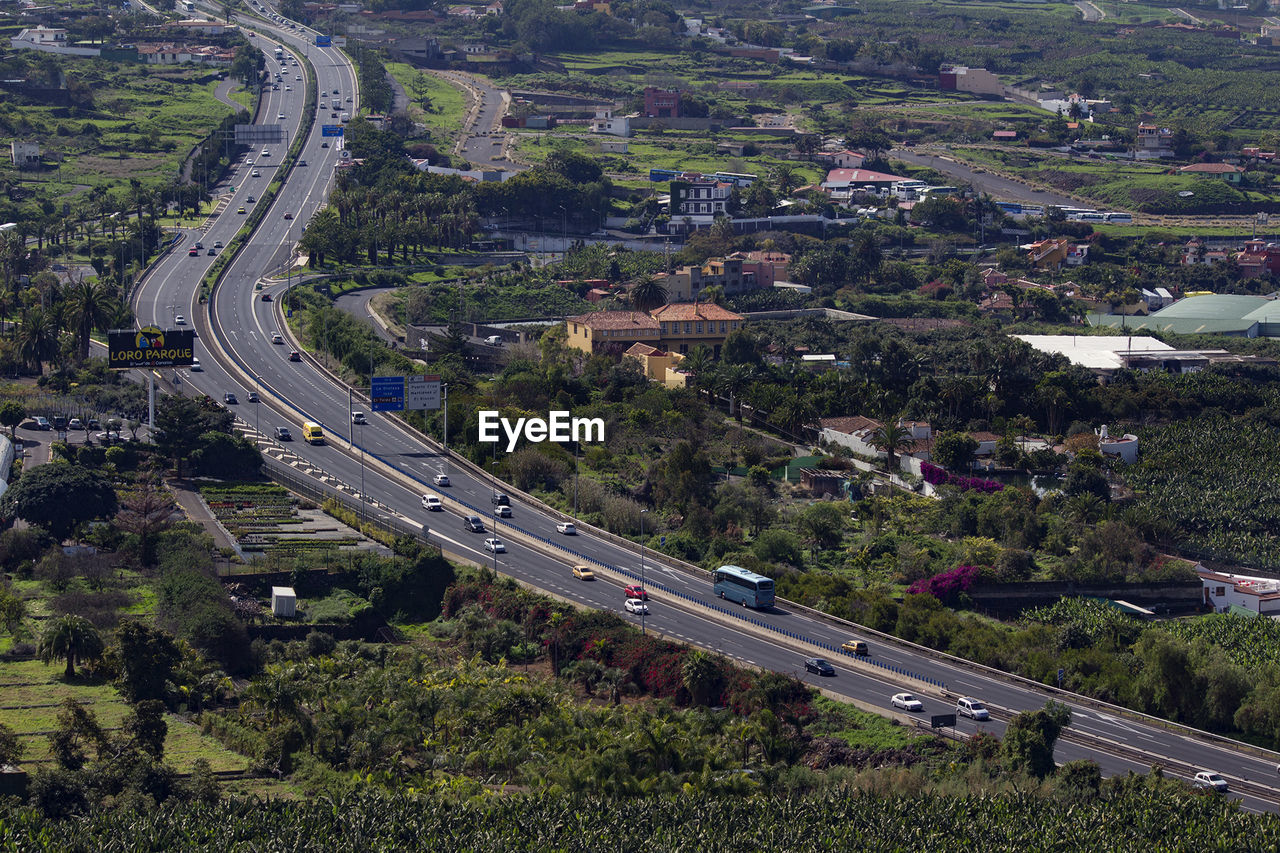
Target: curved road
x: 394, y: 467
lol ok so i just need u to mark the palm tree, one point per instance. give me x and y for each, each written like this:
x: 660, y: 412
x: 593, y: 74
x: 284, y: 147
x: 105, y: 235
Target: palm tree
x: 71, y: 638
x: 274, y: 693
x: 701, y: 676
x: 648, y: 293
x: 785, y: 178
x: 890, y: 437
x: 92, y: 307
x: 38, y: 338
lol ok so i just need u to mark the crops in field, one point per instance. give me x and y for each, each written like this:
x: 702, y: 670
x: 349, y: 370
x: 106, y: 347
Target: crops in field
x: 1140, y: 819
x: 1088, y: 617
x: 1210, y: 482
x: 1250, y: 641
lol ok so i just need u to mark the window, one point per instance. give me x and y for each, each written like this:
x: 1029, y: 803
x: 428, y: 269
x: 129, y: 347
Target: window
x: 1222, y: 590
x: 733, y: 324
x: 664, y: 328
x: 722, y: 327
x: 688, y: 328
x: 699, y: 328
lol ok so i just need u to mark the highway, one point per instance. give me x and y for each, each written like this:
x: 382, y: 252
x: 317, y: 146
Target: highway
x: 390, y: 464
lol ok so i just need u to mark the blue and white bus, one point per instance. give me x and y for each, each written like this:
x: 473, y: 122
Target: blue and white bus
x: 734, y: 583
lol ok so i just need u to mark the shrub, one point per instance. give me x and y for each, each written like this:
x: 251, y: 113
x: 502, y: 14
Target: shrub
x: 948, y: 585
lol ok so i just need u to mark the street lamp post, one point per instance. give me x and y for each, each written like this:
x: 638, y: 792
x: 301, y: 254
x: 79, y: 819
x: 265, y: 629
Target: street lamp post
x: 496, y: 540
x: 644, y: 606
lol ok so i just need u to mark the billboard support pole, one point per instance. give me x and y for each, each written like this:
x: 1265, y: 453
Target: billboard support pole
x: 151, y: 404
x: 444, y: 403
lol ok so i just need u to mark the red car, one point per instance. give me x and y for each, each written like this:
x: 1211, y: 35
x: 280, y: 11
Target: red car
x: 636, y: 591
x: 288, y: 216
x: 193, y: 252
x: 294, y: 355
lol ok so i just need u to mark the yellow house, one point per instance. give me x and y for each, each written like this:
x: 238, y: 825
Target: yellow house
x: 685, y: 325
x: 658, y: 365
x: 593, y: 332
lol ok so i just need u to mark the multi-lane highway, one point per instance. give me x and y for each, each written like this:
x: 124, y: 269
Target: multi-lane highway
x: 396, y: 467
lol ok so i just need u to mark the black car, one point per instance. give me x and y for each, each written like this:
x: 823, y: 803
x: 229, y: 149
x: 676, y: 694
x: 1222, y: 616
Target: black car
x: 283, y: 434
x: 499, y: 499
x: 818, y: 666
x: 473, y: 523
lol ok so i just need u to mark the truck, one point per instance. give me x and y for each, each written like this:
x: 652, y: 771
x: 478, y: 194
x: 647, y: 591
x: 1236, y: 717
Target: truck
x: 346, y: 117
x: 312, y: 432
x: 336, y: 103
x: 189, y: 6
x: 279, y: 52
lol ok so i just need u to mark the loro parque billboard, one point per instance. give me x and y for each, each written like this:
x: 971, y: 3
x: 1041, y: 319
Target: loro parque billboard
x: 150, y: 346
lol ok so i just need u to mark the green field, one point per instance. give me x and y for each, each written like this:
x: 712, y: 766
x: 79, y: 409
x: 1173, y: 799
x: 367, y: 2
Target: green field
x: 132, y: 122
x: 32, y: 691
x: 448, y: 102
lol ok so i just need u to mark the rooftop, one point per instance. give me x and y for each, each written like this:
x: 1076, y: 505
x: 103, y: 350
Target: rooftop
x: 1095, y: 352
x: 682, y: 311
x: 637, y: 320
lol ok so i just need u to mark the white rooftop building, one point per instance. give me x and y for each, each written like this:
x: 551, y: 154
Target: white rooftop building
x: 1104, y: 353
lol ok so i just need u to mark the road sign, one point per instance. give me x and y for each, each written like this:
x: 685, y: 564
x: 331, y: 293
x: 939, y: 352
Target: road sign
x: 943, y: 721
x: 1061, y: 673
x: 386, y: 394
x: 331, y: 130
x: 422, y: 392
x: 323, y: 41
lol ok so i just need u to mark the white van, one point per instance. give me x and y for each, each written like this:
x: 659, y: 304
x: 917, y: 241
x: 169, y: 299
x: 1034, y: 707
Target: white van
x: 494, y: 340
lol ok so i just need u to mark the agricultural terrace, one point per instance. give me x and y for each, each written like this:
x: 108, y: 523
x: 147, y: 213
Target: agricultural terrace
x: 126, y: 123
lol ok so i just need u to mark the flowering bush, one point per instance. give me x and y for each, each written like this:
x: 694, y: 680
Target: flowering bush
x: 941, y: 477
x: 947, y: 585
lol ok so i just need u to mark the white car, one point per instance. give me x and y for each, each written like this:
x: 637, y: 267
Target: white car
x: 1209, y: 779
x: 907, y: 702
x: 635, y: 605
x: 179, y: 320
x: 431, y: 502
x: 440, y: 479
x: 495, y: 545
x: 566, y: 527
x: 359, y: 418
x: 195, y: 364
x: 280, y: 117
x: 503, y: 511
x: 277, y: 338
x: 972, y: 708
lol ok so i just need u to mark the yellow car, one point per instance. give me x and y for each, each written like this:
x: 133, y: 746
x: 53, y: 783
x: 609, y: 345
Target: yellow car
x: 241, y: 210
x: 582, y: 573
x: 855, y: 647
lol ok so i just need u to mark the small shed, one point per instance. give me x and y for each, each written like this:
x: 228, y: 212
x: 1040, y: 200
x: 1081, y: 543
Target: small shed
x: 284, y: 603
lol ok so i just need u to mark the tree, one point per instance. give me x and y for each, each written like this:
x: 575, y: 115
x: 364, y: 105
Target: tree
x: 59, y: 498
x: 890, y: 438
x: 92, y: 306
x: 77, y: 729
x: 11, y: 748
x: 1030, y: 738
x: 954, y: 451
x: 12, y: 609
x: 146, y: 512
x: 70, y: 638
x: 146, y: 729
x: 12, y: 413
x: 648, y: 293
x: 702, y: 676
x: 145, y: 658
x: 822, y: 523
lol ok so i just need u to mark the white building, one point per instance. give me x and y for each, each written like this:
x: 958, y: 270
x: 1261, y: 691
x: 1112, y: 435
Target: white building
x: 1223, y: 591
x: 856, y: 432
x: 49, y: 40
x: 26, y: 155
x: 284, y: 602
x: 1124, y: 447
x: 606, y: 122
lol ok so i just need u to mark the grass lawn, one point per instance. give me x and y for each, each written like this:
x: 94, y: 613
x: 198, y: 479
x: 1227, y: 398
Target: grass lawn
x: 861, y: 729
x: 448, y: 102
x: 32, y: 691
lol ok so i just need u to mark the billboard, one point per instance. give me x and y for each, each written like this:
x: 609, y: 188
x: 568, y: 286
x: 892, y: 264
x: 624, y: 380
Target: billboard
x: 323, y: 41
x: 150, y: 347
x: 386, y: 394
x: 331, y: 129
x: 422, y: 392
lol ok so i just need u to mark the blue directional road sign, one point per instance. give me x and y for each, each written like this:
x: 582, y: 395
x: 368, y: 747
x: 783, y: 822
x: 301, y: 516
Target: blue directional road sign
x: 386, y: 394
x: 330, y: 130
